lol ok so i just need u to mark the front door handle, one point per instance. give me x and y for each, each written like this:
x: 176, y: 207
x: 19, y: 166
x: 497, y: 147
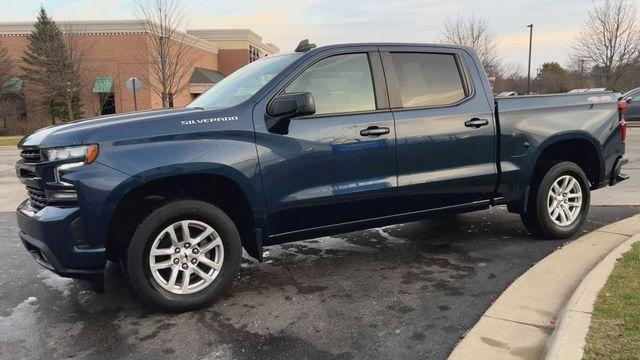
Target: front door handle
x: 374, y: 131
x: 476, y: 123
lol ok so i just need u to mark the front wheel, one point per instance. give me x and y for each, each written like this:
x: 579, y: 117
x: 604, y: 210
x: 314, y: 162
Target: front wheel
x: 559, y: 202
x: 183, y: 256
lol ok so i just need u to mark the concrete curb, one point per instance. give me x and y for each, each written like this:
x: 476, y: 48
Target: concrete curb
x: 522, y: 320
x: 569, y: 337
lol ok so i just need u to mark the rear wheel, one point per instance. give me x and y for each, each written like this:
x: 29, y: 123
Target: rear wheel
x: 559, y: 202
x: 183, y: 256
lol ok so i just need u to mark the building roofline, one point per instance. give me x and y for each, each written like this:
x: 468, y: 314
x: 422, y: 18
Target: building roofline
x: 227, y: 34
x: 273, y: 47
x: 214, y: 35
x: 102, y: 27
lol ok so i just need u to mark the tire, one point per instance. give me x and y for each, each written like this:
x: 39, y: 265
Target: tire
x: 539, y: 217
x: 221, y: 249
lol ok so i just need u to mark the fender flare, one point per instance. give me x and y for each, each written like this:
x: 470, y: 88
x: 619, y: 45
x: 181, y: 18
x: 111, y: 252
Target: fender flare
x: 256, y: 201
x: 565, y: 136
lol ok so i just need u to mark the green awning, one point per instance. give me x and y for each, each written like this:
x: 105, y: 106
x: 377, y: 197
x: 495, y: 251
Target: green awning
x: 13, y: 85
x: 103, y: 84
x: 205, y: 76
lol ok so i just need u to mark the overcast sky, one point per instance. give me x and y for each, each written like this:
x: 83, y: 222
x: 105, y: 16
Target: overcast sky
x: 285, y: 22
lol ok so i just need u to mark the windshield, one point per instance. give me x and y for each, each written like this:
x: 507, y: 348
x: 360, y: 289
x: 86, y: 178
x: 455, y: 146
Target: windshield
x: 244, y: 82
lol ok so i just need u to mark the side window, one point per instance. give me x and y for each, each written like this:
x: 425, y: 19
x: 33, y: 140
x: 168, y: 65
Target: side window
x: 340, y: 83
x: 428, y: 79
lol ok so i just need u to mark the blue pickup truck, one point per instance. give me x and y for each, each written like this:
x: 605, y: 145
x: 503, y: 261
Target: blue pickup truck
x: 320, y: 141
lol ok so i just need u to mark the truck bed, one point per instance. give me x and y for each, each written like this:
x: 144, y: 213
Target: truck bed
x: 528, y: 123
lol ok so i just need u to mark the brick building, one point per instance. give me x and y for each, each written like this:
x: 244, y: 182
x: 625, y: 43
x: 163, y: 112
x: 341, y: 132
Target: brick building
x: 116, y: 53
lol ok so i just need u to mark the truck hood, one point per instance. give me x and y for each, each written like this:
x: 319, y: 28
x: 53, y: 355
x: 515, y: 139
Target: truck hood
x: 75, y: 132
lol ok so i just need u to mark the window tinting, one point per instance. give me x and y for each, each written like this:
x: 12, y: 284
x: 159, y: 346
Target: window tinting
x: 428, y: 79
x: 338, y: 84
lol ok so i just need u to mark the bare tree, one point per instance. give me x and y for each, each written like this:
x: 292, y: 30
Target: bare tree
x: 510, y: 79
x: 74, y: 73
x: 97, y: 101
x: 610, y: 40
x: 6, y: 66
x: 169, y: 50
x: 475, y: 33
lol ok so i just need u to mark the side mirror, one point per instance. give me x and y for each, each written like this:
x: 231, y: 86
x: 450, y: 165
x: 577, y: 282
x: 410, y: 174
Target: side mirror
x: 287, y: 106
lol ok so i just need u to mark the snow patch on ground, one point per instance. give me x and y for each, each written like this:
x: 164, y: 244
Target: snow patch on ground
x: 55, y: 281
x: 390, y: 237
x: 22, y: 321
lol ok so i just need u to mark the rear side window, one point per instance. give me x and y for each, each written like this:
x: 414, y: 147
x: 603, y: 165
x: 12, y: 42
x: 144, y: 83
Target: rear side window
x: 339, y: 84
x: 428, y: 79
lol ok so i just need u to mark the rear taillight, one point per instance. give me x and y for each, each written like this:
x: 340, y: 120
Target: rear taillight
x: 622, y: 108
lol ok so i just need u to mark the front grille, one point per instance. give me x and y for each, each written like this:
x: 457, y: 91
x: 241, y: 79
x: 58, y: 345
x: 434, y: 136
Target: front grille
x: 27, y: 174
x: 37, y: 197
x: 31, y: 155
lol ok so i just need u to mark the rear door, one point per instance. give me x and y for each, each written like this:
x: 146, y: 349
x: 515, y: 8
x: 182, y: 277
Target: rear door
x: 338, y: 165
x: 444, y: 127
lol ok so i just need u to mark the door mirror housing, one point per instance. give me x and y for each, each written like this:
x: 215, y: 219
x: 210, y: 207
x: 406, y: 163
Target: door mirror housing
x: 284, y: 107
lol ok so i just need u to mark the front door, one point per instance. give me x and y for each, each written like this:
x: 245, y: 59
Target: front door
x: 444, y: 127
x: 338, y: 165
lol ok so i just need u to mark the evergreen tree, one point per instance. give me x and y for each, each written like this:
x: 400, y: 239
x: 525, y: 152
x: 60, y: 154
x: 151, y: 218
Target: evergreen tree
x: 49, y: 71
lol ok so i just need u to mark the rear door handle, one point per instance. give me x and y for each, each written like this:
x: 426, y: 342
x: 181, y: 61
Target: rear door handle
x: 374, y: 131
x: 476, y: 123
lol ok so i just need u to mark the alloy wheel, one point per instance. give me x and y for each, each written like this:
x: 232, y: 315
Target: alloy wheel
x: 186, y: 257
x: 564, y: 201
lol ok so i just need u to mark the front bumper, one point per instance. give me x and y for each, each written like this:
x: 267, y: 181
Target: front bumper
x: 49, y: 236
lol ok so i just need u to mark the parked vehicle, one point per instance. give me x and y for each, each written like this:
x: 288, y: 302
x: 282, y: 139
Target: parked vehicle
x: 587, y: 90
x: 295, y: 146
x: 633, y: 104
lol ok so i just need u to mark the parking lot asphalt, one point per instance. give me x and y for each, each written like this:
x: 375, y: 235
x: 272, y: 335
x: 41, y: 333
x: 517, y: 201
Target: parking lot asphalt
x: 408, y: 291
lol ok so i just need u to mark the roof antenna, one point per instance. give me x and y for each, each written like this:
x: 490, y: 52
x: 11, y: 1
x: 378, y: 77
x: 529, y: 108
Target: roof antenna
x: 304, y: 46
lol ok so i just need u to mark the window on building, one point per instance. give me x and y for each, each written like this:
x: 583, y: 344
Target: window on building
x: 428, y: 79
x: 108, y: 103
x: 103, y: 88
x: 254, y: 53
x: 341, y: 83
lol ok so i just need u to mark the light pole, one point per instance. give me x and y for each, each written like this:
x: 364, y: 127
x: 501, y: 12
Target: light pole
x: 582, y: 72
x: 530, y: 26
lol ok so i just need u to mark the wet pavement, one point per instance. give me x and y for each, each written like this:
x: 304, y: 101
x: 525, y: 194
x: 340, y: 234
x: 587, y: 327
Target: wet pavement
x: 408, y: 291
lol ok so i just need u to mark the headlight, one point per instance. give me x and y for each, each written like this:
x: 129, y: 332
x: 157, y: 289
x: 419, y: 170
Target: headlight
x: 86, y: 153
